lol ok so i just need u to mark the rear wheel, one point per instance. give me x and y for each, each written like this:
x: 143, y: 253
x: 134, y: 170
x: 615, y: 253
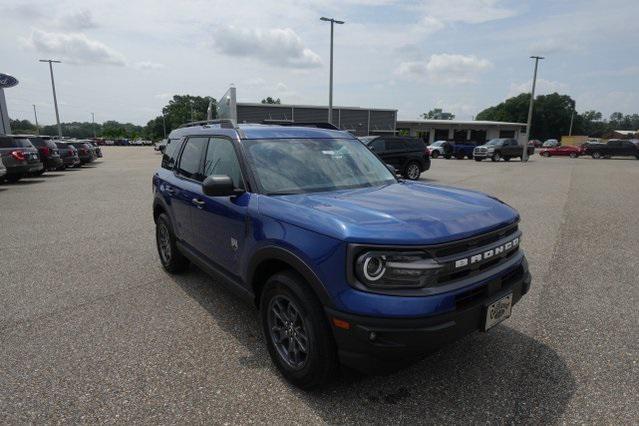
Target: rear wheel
x: 298, y: 336
x: 434, y: 154
x: 172, y: 260
x: 412, y: 171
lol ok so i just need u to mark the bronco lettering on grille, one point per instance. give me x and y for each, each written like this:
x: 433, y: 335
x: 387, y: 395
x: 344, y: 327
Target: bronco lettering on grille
x: 504, y: 248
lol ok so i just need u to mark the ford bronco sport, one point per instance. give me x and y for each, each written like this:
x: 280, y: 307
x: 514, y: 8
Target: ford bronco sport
x: 346, y: 263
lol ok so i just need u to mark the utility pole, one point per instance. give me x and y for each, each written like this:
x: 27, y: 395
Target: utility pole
x: 330, y: 84
x: 55, y: 99
x: 35, y: 114
x: 164, y: 125
x: 572, y: 118
x: 192, y: 119
x: 93, y: 124
x: 524, y: 155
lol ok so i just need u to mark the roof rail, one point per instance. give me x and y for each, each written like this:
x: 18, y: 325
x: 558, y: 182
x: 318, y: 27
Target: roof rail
x: 224, y: 123
x: 318, y: 124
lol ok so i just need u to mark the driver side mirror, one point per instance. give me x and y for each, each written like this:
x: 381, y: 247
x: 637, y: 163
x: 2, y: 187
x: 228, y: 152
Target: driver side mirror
x: 220, y: 186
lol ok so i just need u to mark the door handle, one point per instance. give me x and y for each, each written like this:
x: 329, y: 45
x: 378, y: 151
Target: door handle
x: 199, y: 203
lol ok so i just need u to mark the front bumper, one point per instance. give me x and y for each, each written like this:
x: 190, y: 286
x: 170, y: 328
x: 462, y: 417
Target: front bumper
x: 481, y: 154
x: 377, y: 344
x: 53, y: 162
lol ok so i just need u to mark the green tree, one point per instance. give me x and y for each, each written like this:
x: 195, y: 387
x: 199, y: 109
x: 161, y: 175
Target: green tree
x: 180, y: 110
x: 270, y: 100
x: 438, y: 114
x: 22, y: 126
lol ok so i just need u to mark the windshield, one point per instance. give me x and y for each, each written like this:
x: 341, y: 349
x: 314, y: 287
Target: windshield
x: 495, y: 142
x: 438, y: 143
x: 294, y: 166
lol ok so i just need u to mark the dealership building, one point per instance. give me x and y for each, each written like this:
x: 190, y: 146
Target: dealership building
x: 367, y: 121
x: 458, y: 131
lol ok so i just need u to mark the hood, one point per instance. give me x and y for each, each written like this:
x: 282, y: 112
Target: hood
x: 401, y: 213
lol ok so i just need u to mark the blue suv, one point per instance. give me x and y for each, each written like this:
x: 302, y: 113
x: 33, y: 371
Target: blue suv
x: 346, y: 263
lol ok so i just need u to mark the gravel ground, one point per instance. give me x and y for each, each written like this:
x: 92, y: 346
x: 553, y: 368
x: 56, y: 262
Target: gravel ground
x: 92, y: 329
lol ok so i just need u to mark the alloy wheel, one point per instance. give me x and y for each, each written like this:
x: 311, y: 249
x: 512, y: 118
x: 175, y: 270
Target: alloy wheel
x: 288, y: 332
x: 413, y: 171
x: 164, y: 243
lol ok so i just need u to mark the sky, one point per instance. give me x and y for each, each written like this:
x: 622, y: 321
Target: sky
x: 123, y: 60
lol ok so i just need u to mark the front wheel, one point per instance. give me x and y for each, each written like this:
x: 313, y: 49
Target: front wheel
x: 298, y: 336
x: 172, y: 260
x: 13, y: 178
x: 434, y: 154
x: 495, y: 157
x: 596, y: 155
x: 412, y: 171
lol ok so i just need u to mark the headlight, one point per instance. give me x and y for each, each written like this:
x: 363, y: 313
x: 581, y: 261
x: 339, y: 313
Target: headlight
x: 387, y: 269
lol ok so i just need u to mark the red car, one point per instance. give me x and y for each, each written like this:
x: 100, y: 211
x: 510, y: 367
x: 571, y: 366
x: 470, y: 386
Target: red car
x: 565, y: 150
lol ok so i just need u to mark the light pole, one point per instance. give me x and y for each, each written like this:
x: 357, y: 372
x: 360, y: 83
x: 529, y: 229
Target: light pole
x: 55, y: 99
x: 164, y: 125
x: 330, y: 84
x: 524, y: 155
x: 93, y: 123
x: 35, y: 114
x: 572, y: 118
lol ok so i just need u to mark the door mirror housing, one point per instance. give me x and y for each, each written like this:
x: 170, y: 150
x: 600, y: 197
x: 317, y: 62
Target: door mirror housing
x: 220, y: 186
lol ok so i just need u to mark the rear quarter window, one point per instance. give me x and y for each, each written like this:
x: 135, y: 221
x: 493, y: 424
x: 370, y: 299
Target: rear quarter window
x: 170, y: 153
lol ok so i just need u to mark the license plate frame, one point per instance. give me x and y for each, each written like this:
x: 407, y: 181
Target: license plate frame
x: 498, y: 311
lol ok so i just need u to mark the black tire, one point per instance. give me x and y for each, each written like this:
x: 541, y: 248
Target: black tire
x: 447, y: 156
x: 479, y: 158
x: 495, y: 157
x: 573, y: 155
x: 319, y: 364
x: 434, y: 154
x: 172, y: 260
x: 13, y: 178
x: 546, y: 154
x: 412, y: 171
x: 596, y: 155
x: 506, y: 158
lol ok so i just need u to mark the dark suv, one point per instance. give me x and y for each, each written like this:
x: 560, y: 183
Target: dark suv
x: 409, y: 156
x: 85, y: 151
x: 48, y: 150
x: 19, y: 156
x: 345, y: 262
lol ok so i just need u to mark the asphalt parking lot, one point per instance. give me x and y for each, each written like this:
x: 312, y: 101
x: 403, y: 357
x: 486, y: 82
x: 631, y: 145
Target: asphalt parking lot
x: 93, y: 330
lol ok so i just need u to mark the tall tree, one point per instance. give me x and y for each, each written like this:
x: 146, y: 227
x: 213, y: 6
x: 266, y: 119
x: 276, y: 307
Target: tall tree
x: 438, y: 114
x: 270, y: 100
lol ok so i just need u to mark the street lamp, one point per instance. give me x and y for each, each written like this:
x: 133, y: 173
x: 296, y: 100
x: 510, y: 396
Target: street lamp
x: 330, y: 87
x: 524, y: 155
x: 55, y: 99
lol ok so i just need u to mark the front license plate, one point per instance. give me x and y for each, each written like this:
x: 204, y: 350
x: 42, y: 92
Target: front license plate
x: 498, y: 311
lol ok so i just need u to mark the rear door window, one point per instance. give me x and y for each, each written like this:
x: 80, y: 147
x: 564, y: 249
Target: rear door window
x: 396, y: 145
x: 190, y: 165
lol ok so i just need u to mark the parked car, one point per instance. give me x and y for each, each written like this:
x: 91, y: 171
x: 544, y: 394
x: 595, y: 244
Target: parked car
x: 346, y: 263
x: 436, y: 149
x: 496, y: 149
x: 564, y: 150
x: 535, y: 143
x: 3, y: 170
x: 19, y: 156
x: 408, y: 155
x: 160, y: 146
x: 613, y: 148
x: 85, y: 152
x: 69, y: 155
x: 48, y: 151
x: 550, y: 143
x: 463, y: 149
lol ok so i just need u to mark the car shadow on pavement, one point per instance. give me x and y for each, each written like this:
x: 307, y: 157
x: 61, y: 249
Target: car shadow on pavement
x: 503, y: 376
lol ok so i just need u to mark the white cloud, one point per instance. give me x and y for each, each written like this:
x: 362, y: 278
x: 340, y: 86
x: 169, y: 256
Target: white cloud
x: 278, y: 46
x: 80, y: 20
x: 551, y: 46
x: 543, y: 87
x: 74, y: 48
x: 445, y: 68
x: 467, y: 11
x: 148, y: 65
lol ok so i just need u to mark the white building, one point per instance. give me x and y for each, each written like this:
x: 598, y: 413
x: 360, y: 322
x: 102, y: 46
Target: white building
x: 457, y: 130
